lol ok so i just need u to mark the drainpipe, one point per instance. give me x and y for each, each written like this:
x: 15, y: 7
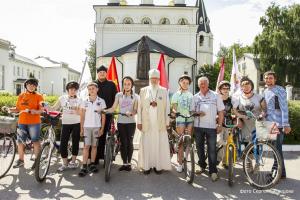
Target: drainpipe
x: 169, y: 68
x: 122, y: 67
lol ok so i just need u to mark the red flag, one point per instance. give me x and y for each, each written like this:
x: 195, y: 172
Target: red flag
x: 221, y: 73
x: 163, y: 75
x: 112, y: 73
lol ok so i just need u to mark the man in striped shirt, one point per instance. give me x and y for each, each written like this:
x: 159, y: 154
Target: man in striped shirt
x: 208, y: 104
x: 277, y: 110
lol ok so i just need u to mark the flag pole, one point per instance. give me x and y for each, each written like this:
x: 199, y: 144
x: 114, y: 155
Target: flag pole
x: 84, y: 64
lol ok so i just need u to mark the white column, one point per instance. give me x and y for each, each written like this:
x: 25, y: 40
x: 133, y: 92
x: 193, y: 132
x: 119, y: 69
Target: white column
x: 179, y: 2
x: 289, y: 92
x: 114, y: 2
x: 150, y: 2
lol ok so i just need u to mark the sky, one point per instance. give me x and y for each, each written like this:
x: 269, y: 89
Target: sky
x: 61, y: 29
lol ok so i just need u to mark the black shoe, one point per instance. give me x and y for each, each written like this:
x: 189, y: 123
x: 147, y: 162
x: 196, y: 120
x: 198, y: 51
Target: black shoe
x: 83, y: 172
x: 122, y: 168
x: 93, y: 168
x: 157, y: 171
x: 146, y: 172
x: 128, y: 168
x: 283, y: 176
x: 19, y: 163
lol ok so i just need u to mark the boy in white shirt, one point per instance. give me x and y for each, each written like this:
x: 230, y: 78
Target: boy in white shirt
x: 92, y: 125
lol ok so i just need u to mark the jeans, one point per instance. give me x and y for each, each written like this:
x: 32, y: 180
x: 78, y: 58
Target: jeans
x: 211, y: 137
x: 126, y: 133
x: 30, y: 131
x: 278, y: 145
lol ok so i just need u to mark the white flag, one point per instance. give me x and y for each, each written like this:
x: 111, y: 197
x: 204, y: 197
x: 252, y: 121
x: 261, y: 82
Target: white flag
x: 235, y: 76
x: 84, y: 80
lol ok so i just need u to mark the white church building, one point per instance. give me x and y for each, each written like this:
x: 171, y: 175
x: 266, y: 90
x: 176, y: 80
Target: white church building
x: 182, y: 33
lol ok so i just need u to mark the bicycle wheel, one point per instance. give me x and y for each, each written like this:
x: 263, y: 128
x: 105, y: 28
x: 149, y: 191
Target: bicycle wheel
x: 230, y: 165
x: 262, y: 165
x: 108, y: 158
x: 43, y: 161
x: 7, y: 153
x: 189, y: 161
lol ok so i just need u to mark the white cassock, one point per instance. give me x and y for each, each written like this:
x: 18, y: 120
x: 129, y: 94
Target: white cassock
x: 154, y: 148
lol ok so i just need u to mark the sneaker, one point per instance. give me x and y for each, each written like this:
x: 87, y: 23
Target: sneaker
x: 123, y: 168
x: 83, y: 172
x: 214, y: 177
x: 72, y: 165
x: 179, y: 168
x: 18, y: 163
x: 93, y: 168
x: 128, y: 168
x: 200, y: 171
x: 62, y: 168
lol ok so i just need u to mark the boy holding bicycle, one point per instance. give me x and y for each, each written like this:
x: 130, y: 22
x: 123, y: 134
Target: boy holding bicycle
x: 29, y: 123
x: 92, y: 122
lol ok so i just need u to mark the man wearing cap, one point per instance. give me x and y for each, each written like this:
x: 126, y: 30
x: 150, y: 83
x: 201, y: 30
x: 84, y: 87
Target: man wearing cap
x: 153, y: 119
x: 107, y: 91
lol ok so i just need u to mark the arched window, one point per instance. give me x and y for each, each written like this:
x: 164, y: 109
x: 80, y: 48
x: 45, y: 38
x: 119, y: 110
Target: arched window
x: 127, y: 20
x: 146, y: 20
x: 183, y: 21
x: 109, y: 20
x: 164, y: 21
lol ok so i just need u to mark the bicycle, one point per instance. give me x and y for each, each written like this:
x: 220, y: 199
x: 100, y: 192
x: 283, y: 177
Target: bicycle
x: 186, y: 140
x: 8, y: 136
x: 112, y: 146
x: 259, y: 151
x: 44, y: 157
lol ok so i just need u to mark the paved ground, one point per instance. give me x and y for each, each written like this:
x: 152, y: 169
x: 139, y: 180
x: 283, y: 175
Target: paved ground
x: 20, y: 184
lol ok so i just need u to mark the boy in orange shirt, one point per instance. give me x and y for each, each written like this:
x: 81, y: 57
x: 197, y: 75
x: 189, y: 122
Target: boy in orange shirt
x: 29, y: 123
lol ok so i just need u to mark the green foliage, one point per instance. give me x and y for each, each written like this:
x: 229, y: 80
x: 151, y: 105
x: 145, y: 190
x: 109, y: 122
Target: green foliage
x: 91, y: 54
x: 10, y: 101
x: 212, y: 72
x: 279, y: 43
x: 294, y: 116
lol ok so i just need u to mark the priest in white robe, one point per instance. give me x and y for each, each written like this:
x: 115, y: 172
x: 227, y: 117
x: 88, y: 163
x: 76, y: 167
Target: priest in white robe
x: 153, y: 110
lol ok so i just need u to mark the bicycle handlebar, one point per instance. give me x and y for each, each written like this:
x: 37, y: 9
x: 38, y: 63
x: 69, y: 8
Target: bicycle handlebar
x: 178, y: 114
x: 114, y: 113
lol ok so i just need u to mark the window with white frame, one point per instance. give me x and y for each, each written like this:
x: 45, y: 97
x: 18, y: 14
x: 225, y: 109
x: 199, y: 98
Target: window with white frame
x: 18, y: 71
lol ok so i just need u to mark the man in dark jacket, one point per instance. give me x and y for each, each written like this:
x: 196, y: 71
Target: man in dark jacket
x: 107, y: 91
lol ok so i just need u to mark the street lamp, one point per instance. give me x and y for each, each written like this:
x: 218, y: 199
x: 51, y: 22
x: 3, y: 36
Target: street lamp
x: 52, y: 82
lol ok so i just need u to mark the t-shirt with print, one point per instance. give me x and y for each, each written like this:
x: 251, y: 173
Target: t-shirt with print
x: 126, y: 103
x: 252, y: 104
x: 93, y: 119
x: 210, y: 104
x: 183, y: 101
x: 31, y: 101
x: 69, y: 107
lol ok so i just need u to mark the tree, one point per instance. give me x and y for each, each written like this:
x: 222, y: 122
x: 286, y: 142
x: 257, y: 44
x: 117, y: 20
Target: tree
x: 212, y: 72
x: 279, y: 43
x: 91, y: 54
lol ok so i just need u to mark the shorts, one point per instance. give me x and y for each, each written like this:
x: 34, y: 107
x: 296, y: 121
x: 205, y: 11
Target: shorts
x: 184, y: 124
x: 28, y: 131
x: 91, y: 136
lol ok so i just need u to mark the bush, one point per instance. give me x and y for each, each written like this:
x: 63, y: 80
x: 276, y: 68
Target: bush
x: 294, y: 117
x: 10, y: 101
